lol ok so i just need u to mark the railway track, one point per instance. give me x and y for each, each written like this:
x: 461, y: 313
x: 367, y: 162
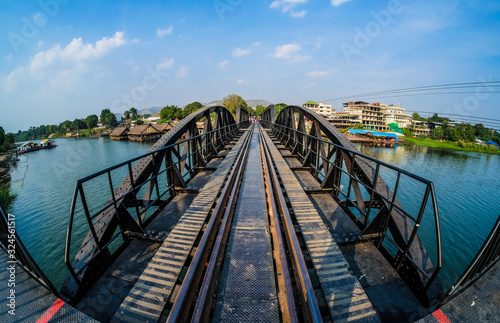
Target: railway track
x: 203, y: 294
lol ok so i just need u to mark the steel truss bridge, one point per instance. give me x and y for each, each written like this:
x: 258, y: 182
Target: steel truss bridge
x: 278, y: 220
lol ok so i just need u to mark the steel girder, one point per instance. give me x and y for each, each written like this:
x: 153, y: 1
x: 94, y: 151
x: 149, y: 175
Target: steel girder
x: 106, y: 223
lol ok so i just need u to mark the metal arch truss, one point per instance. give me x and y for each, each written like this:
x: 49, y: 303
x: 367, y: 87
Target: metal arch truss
x: 340, y: 168
x: 152, y: 181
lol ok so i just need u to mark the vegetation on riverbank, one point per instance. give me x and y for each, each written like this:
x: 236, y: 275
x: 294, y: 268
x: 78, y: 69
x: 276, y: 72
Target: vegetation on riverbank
x: 6, y: 196
x: 460, y: 145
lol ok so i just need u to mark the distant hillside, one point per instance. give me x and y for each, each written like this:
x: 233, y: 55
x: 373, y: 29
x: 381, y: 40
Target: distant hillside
x: 252, y: 103
x: 150, y: 110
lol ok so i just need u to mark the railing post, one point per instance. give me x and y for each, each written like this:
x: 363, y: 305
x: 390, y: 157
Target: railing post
x: 415, y: 228
x: 374, y: 188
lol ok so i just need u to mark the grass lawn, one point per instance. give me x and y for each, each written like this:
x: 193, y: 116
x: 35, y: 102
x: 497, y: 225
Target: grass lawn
x: 452, y: 145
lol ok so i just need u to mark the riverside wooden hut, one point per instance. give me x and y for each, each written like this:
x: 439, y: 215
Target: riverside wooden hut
x: 120, y: 133
x: 163, y: 127
x: 144, y: 133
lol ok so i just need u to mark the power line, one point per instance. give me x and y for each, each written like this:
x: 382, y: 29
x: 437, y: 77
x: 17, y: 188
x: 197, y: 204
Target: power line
x: 422, y: 88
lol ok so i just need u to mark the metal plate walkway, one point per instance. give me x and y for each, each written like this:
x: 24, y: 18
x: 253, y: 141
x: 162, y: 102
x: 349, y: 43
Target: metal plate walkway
x: 25, y: 300
x: 247, y: 290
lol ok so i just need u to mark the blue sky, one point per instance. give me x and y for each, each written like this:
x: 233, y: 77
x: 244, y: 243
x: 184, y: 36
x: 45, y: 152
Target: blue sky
x: 66, y: 59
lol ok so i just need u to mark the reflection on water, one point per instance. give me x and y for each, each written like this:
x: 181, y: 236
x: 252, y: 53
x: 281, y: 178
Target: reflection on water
x: 45, y: 180
x: 467, y: 188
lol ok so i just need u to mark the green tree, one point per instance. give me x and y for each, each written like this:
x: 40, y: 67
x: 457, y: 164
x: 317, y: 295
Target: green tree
x: 408, y: 132
x: 104, y: 112
x: 232, y: 101
x: 451, y: 134
x: 170, y: 112
x: 416, y: 116
x: 133, y: 113
x: 469, y: 133
x: 259, y: 109
x: 192, y: 107
x: 482, y: 132
x: 8, y: 141
x: 278, y: 108
x: 252, y: 111
x: 437, y: 133
x: 126, y: 114
x: 78, y: 124
x: 65, y: 125
x: 2, y: 136
x: 359, y: 125
x: 109, y: 119
x: 139, y: 122
x: 91, y: 121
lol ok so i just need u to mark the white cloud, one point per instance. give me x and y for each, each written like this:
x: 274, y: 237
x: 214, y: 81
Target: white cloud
x: 257, y: 43
x: 309, y: 86
x: 166, y: 63
x: 316, y: 74
x: 223, y: 63
x: 242, y: 82
x: 162, y: 32
x: 238, y: 52
x: 61, y: 66
x: 319, y: 41
x: 337, y: 3
x: 290, y: 52
x: 287, y: 6
x: 298, y: 14
x: 183, y: 72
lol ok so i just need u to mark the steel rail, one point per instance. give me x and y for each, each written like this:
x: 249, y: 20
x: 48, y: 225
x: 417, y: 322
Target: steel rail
x: 200, y: 313
x: 273, y: 214
x: 180, y: 309
x: 307, y: 294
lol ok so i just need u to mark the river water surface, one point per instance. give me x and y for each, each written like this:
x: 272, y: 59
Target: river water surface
x: 467, y: 188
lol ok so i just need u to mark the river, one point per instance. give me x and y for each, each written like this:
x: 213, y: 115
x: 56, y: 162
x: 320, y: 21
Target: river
x: 45, y: 180
x: 467, y: 189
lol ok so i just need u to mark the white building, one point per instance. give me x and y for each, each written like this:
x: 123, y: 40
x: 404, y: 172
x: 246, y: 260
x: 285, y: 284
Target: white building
x: 153, y: 119
x: 396, y: 115
x: 322, y: 108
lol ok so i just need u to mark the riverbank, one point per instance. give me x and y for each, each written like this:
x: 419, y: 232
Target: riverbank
x: 471, y: 147
x: 6, y: 196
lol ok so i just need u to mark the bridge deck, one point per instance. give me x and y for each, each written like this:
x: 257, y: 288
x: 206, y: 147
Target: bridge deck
x: 148, y: 297
x: 355, y: 278
x: 248, y: 288
x: 389, y: 295
x: 30, y: 301
x: 346, y: 298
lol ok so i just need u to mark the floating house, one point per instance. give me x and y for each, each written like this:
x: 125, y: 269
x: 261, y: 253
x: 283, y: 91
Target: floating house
x: 28, y: 147
x: 120, y: 133
x: 48, y: 144
x: 375, y: 137
x: 144, y: 133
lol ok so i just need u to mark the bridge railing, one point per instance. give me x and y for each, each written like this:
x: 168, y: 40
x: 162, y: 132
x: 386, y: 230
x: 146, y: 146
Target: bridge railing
x: 17, y: 253
x: 485, y: 259
x: 133, y: 206
x: 356, y: 183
